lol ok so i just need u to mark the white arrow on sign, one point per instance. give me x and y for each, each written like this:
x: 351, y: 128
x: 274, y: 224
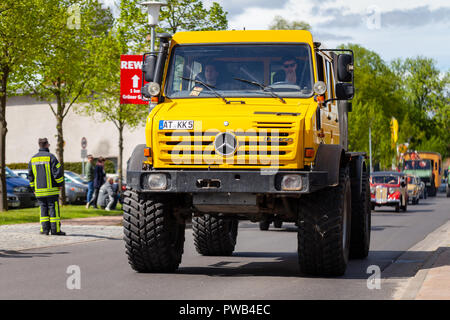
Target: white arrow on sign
x: 135, y: 81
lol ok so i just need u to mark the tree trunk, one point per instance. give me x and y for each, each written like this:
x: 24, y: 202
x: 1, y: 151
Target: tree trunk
x: 60, y: 143
x: 3, y: 131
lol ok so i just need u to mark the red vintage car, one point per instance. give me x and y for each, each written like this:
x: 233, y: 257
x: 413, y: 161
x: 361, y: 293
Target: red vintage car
x: 388, y: 188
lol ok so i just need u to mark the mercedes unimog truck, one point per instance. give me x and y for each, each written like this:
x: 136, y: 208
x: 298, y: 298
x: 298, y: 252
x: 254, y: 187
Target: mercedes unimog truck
x: 246, y: 125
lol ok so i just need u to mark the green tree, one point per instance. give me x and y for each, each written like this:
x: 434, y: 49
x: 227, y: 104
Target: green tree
x: 105, y: 100
x: 22, y: 25
x: 378, y: 98
x: 62, y: 72
x: 279, y: 23
x: 184, y: 15
x: 426, y: 91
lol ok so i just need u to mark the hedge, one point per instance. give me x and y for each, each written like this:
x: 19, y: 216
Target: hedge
x: 70, y: 166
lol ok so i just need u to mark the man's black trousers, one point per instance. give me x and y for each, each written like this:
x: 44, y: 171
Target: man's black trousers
x: 50, y: 215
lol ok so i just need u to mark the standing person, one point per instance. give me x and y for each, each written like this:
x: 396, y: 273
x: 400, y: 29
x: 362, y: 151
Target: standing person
x: 99, y: 178
x: 90, y: 168
x: 45, y: 176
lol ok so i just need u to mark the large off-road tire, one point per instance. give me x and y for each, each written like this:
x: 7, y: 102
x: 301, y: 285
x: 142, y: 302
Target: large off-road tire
x: 214, y: 236
x: 154, y: 239
x: 361, y: 220
x: 277, y: 223
x: 324, y: 229
x: 432, y: 190
x: 264, y: 225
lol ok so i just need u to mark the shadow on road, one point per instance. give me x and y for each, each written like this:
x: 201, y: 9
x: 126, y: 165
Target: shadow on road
x: 285, y: 264
x: 27, y: 254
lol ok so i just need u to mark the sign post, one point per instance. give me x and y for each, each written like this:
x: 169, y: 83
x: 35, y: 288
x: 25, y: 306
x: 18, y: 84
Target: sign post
x: 131, y: 80
x: 83, y: 154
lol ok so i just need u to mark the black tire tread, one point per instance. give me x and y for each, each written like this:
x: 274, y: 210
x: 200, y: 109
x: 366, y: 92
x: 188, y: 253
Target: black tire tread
x: 361, y: 211
x: 214, y: 236
x: 147, y: 225
x: 320, y: 230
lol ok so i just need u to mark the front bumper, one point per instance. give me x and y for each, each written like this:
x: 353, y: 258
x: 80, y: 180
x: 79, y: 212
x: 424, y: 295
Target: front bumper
x: 255, y: 181
x: 13, y: 202
x: 27, y: 200
x: 388, y: 202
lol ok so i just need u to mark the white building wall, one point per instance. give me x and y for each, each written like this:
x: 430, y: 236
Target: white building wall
x: 29, y: 119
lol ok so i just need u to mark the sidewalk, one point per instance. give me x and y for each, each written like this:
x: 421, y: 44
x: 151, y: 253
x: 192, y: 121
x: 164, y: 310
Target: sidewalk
x: 94, y: 221
x: 432, y: 279
x: 26, y: 236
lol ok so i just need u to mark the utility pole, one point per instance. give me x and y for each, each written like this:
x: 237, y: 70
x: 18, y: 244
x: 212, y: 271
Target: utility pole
x: 370, y: 148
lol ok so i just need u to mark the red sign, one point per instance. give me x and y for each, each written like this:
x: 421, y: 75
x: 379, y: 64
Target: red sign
x: 131, y: 79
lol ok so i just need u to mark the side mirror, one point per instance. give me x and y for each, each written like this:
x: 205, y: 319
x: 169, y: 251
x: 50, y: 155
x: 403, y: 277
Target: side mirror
x: 344, y: 91
x: 148, y: 67
x: 345, y: 67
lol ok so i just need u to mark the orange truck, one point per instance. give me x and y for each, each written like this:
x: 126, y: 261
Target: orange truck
x: 427, y: 165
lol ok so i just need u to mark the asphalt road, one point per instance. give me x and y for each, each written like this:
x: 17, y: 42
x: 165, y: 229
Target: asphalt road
x: 264, y: 266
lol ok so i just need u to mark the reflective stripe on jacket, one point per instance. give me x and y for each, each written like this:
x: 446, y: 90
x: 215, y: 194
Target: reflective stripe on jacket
x: 45, y: 174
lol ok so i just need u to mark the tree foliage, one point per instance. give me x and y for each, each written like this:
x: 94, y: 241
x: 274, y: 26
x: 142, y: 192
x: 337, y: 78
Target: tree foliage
x: 279, y: 23
x: 23, y: 24
x: 61, y: 73
x: 191, y: 15
x: 412, y: 91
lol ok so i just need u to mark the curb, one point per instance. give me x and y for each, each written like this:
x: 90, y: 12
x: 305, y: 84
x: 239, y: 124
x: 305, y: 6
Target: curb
x: 434, y: 246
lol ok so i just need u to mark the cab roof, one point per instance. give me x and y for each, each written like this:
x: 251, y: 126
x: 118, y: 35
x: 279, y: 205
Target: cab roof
x: 243, y: 36
x: 388, y: 173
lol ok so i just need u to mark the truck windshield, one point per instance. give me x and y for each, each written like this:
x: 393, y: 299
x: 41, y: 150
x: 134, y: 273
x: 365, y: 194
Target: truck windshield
x: 236, y: 70
x: 385, y: 179
x: 417, y: 165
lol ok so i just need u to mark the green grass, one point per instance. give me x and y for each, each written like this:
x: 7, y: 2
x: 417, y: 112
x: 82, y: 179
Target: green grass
x: 15, y: 216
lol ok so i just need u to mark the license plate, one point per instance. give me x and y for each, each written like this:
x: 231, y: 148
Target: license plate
x: 176, y: 124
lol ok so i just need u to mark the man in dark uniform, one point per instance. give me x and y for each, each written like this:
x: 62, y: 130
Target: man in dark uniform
x: 45, y: 175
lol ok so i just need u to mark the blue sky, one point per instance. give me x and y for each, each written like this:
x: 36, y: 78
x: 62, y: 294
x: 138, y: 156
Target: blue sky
x: 392, y: 28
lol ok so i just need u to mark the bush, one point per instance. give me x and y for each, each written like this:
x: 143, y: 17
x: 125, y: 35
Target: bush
x: 14, y: 166
x: 70, y: 166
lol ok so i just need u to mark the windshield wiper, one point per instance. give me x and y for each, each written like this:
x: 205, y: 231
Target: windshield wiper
x: 218, y: 95
x: 263, y: 87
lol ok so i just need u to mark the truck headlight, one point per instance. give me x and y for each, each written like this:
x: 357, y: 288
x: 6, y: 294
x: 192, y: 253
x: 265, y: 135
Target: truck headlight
x: 157, y: 181
x: 292, y: 182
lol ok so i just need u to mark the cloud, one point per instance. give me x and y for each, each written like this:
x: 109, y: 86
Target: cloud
x: 326, y: 36
x: 414, y: 17
x: 237, y: 7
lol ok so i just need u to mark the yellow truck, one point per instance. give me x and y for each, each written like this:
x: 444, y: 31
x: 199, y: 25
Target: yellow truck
x: 246, y: 125
x: 427, y: 165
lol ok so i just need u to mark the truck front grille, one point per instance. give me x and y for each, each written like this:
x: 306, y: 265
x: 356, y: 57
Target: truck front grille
x: 381, y: 195
x: 263, y: 146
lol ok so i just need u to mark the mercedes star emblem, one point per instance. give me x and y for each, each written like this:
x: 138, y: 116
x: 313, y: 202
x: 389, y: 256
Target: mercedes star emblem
x: 225, y: 143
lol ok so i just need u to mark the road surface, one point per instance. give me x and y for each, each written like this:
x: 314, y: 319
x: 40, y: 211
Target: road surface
x: 264, y: 265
